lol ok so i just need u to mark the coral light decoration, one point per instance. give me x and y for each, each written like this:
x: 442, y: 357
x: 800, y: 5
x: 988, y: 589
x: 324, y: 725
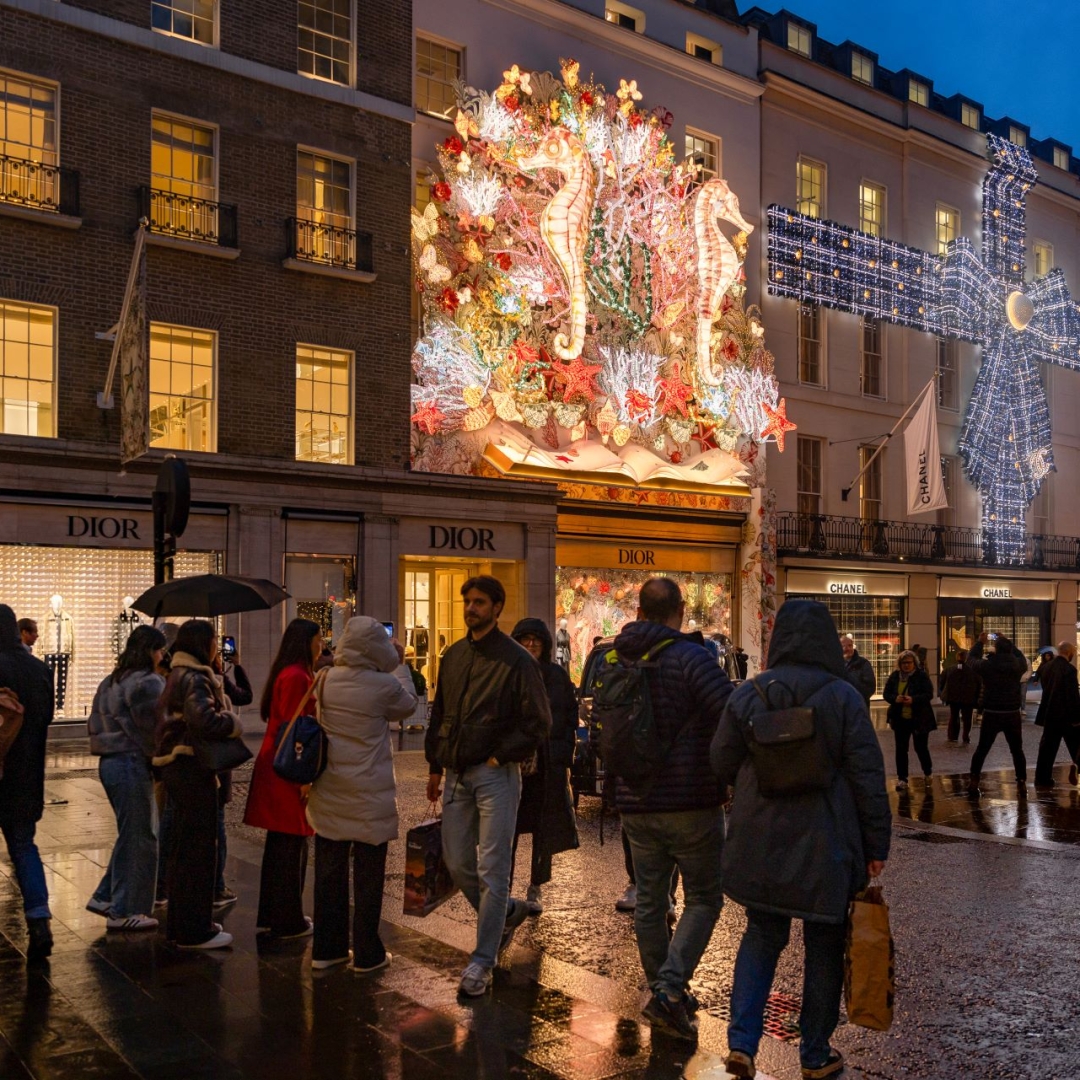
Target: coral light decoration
x: 582, y: 297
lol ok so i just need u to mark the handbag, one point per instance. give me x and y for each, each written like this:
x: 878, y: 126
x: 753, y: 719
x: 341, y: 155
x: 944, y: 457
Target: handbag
x: 302, y: 745
x: 787, y: 756
x: 427, y: 878
x: 221, y: 755
x: 869, y: 962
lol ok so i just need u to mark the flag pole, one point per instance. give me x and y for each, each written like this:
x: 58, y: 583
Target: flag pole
x: 845, y: 492
x: 105, y: 399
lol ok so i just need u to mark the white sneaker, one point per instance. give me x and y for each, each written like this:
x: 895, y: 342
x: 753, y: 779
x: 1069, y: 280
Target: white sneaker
x: 308, y: 930
x: 133, y: 922
x: 98, y: 908
x: 475, y: 980
x: 385, y: 962
x: 628, y: 900
x: 322, y: 965
x: 533, y: 901
x: 218, y: 941
x: 901, y: 785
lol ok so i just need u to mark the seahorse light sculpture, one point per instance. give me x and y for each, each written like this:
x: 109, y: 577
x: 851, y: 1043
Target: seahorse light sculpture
x: 717, y: 263
x: 564, y: 225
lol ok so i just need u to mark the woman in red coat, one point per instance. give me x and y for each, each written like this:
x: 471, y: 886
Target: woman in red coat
x: 275, y: 804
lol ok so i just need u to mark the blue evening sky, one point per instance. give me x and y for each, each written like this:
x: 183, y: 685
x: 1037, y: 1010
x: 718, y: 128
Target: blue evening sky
x: 1018, y: 58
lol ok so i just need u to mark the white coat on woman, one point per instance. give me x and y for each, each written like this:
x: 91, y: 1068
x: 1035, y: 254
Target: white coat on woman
x: 354, y: 799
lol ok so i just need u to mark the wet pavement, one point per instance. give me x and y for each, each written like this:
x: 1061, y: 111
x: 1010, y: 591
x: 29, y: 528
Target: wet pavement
x: 984, y: 925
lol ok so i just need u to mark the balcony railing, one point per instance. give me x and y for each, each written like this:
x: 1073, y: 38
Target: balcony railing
x: 329, y: 245
x: 39, y: 187
x: 828, y: 537
x: 187, y: 218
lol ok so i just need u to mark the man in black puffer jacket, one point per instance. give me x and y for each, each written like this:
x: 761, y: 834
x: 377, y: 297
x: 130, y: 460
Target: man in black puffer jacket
x: 678, y: 822
x: 1003, y: 699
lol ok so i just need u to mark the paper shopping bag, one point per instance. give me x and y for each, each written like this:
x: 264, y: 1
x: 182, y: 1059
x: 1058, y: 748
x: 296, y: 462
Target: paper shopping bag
x: 869, y: 981
x: 427, y: 880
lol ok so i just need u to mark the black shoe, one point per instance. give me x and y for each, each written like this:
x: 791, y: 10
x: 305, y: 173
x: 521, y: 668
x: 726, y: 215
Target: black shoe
x: 41, y: 940
x: 516, y: 914
x: 671, y: 1017
x: 832, y: 1065
x: 691, y: 1002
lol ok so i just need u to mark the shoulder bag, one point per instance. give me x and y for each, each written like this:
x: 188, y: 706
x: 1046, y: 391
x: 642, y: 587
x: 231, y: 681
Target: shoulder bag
x: 219, y: 755
x: 302, y: 745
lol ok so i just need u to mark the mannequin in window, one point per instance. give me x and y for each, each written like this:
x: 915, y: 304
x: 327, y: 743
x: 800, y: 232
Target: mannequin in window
x: 123, y: 625
x: 562, y: 645
x: 57, y: 639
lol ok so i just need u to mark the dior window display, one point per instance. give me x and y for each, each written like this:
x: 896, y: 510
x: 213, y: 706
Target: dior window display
x: 123, y: 625
x: 562, y: 645
x: 57, y: 630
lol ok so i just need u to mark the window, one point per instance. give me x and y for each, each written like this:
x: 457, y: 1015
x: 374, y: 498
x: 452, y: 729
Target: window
x: 862, y: 68
x: 947, y: 514
x: 437, y: 66
x: 1043, y: 257
x: 324, y: 209
x: 810, y: 187
x: 871, y: 208
x: 1039, y: 521
x: 808, y: 454
x: 799, y: 39
x: 323, y: 405
x: 872, y: 372
x: 324, y: 43
x: 1061, y: 157
x: 947, y: 226
x: 918, y: 92
x: 28, y: 141
x: 870, y: 505
x: 182, y: 363
x: 1017, y: 135
x: 810, y: 366
x: 705, y: 152
x: 28, y: 370
x: 970, y: 116
x: 192, y: 19
x: 948, y: 374
x: 421, y: 199
x: 183, y: 178
x: 704, y: 49
x: 629, y: 18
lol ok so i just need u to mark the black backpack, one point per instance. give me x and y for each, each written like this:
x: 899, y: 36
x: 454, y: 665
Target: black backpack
x: 631, y: 745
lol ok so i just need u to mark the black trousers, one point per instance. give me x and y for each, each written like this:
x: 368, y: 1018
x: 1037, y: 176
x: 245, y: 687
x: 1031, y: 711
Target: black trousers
x: 540, y: 868
x: 192, y: 857
x: 1048, y: 749
x: 331, y: 940
x: 281, y: 883
x: 921, y: 741
x: 1010, y: 725
x: 958, y: 712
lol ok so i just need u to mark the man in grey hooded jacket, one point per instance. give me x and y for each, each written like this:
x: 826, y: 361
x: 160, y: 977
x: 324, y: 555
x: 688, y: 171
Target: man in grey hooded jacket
x: 800, y: 856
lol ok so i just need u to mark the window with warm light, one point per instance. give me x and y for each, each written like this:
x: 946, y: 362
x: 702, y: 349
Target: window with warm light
x: 870, y: 486
x: 970, y: 116
x: 810, y: 187
x: 1039, y: 519
x: 1017, y: 135
x: 324, y: 405
x: 629, y: 18
x: 324, y: 42
x: 183, y: 176
x: 324, y: 208
x: 704, y: 49
x: 191, y: 19
x: 946, y: 226
x: 947, y: 514
x: 811, y: 367
x: 704, y: 150
x: 27, y: 369
x: 437, y: 67
x: 872, y: 371
x: 871, y: 208
x: 918, y: 92
x: 1042, y: 257
x: 182, y: 387
x: 28, y: 142
x: 862, y: 68
x: 809, y: 452
x: 1061, y: 158
x: 799, y: 39
x: 948, y: 374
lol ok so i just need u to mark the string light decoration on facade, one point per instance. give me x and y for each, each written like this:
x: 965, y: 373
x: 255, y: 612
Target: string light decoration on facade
x: 1005, y: 442
x: 582, y: 296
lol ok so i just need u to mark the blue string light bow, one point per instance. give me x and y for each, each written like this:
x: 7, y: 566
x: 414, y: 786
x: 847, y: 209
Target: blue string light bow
x: 1005, y: 442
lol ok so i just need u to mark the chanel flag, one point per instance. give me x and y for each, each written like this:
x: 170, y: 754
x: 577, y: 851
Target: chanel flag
x: 926, y: 490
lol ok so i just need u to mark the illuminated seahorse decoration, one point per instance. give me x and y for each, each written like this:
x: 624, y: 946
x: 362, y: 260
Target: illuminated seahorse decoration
x: 564, y: 225
x: 717, y: 263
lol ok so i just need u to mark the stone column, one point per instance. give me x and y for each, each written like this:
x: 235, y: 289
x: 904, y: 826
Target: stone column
x: 756, y: 561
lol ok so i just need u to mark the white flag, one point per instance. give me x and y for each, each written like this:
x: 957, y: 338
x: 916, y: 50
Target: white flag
x: 926, y: 489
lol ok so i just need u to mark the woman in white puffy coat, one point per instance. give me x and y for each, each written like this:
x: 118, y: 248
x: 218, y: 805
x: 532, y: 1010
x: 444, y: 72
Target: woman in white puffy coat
x: 352, y: 806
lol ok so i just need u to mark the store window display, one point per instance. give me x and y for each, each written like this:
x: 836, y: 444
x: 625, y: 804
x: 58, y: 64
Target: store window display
x: 59, y: 643
x: 124, y: 624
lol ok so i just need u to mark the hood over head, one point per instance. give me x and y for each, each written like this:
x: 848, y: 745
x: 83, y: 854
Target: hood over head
x: 365, y: 644
x: 9, y: 629
x: 806, y: 634
x: 538, y: 628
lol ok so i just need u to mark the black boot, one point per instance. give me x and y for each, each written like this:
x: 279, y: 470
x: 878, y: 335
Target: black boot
x: 41, y: 940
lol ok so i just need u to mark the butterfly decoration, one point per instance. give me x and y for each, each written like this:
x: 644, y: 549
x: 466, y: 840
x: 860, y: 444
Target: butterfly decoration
x: 466, y: 126
x: 429, y: 263
x: 570, y: 69
x: 464, y: 163
x: 425, y: 226
x: 472, y: 251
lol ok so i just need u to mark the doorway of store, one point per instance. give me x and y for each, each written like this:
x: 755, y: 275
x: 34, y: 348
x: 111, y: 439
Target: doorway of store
x: 433, y: 615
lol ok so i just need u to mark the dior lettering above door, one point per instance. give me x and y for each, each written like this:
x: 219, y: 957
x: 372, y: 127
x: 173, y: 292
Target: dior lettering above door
x: 464, y: 538
x: 461, y: 539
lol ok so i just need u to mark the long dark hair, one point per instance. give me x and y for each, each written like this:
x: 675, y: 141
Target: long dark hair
x: 295, y: 648
x: 138, y: 654
x: 9, y: 629
x: 194, y: 637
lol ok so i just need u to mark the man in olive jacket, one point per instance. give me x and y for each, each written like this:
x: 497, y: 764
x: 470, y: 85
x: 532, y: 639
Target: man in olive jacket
x: 800, y: 856
x: 490, y: 714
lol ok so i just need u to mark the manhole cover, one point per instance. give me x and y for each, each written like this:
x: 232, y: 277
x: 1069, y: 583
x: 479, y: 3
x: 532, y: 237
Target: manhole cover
x: 781, y: 1015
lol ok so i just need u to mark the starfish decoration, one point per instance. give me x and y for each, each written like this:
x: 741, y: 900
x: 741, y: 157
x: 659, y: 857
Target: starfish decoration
x: 705, y: 436
x: 579, y: 378
x: 428, y: 418
x: 777, y: 424
x: 674, y: 393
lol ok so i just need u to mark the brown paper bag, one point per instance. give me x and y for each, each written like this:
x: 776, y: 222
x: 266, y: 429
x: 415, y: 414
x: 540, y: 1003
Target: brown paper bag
x: 427, y: 879
x: 869, y: 980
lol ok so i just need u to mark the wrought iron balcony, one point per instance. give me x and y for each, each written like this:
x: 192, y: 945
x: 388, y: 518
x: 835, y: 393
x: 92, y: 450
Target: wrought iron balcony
x: 187, y: 218
x: 822, y: 536
x: 329, y: 245
x: 39, y: 187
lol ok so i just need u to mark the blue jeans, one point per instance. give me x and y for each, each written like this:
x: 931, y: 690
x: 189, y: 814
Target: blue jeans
x: 693, y: 841
x: 823, y: 980
x: 30, y: 874
x: 479, y: 815
x: 131, y: 876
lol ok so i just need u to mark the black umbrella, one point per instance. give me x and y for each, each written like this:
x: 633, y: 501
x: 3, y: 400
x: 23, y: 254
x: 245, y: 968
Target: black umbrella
x: 208, y: 595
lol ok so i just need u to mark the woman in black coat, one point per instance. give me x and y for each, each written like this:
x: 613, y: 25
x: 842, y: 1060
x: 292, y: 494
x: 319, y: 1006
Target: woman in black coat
x: 22, y: 786
x: 911, y: 716
x: 547, y: 808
